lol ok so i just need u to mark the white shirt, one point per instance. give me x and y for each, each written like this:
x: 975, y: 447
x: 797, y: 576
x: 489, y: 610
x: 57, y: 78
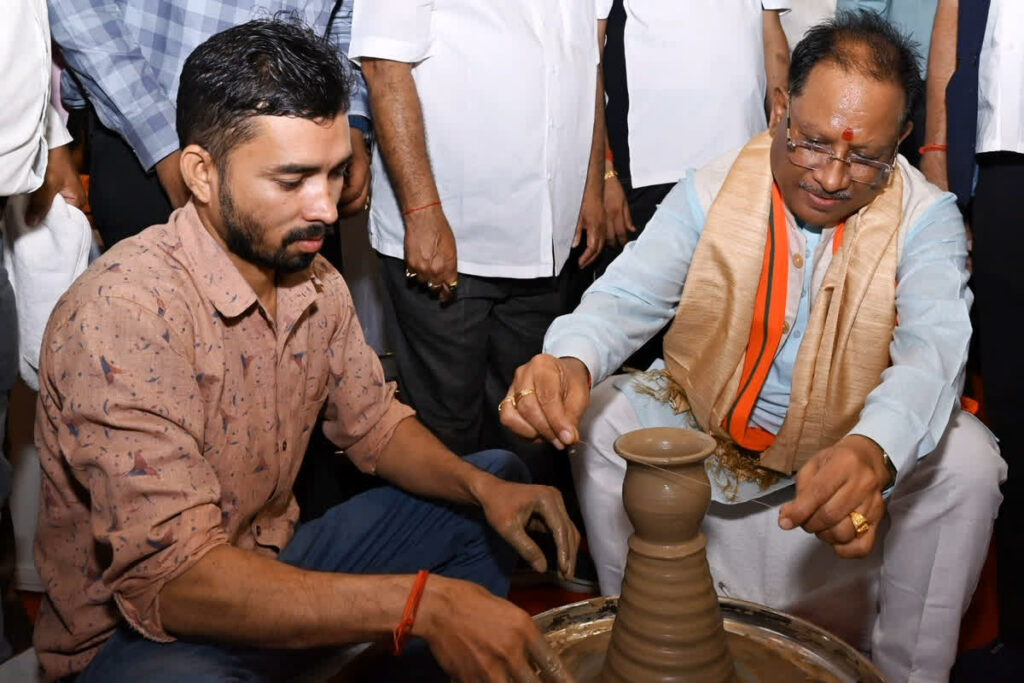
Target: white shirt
x: 507, y: 89
x: 1001, y: 80
x: 29, y: 126
x: 696, y: 79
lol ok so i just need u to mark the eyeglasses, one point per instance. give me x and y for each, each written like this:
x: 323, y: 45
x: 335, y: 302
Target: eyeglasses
x: 813, y: 156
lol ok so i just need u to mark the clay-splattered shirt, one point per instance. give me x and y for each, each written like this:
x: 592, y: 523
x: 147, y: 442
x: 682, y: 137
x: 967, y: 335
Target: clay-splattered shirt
x: 173, y: 417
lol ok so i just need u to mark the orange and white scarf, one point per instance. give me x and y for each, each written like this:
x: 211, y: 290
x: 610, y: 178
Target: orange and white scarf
x: 731, y: 317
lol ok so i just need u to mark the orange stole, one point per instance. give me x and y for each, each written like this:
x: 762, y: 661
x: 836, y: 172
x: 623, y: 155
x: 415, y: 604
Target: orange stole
x: 767, y: 327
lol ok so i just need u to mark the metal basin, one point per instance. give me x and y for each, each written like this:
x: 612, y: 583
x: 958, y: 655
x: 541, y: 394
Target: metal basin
x: 757, y: 636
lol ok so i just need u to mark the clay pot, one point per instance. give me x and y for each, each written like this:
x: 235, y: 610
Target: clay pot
x: 669, y: 627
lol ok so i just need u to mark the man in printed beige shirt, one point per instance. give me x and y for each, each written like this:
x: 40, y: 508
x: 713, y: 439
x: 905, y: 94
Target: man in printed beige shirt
x: 181, y: 376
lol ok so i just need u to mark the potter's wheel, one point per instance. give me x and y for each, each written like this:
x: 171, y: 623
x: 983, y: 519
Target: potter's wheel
x: 768, y: 646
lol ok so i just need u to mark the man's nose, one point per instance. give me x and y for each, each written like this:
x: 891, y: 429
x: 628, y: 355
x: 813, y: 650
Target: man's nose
x: 322, y: 205
x: 834, y: 175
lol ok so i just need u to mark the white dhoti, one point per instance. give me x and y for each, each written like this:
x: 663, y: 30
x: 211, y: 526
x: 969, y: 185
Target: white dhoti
x: 903, y: 603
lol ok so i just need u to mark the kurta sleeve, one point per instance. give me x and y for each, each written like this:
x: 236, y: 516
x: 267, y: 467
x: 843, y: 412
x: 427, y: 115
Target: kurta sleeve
x: 909, y: 411
x: 399, y: 30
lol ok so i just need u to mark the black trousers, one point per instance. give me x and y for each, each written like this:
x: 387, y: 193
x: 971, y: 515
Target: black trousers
x: 125, y: 199
x: 643, y: 202
x: 456, y: 361
x: 999, y: 313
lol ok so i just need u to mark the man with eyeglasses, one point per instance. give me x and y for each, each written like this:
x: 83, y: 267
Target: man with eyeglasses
x: 819, y: 294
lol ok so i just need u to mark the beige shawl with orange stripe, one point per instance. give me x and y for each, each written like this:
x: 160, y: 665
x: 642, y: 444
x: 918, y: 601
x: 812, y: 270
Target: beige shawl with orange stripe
x: 846, y: 345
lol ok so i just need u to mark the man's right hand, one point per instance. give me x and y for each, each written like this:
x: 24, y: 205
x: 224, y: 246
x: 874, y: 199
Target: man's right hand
x: 618, y: 220
x: 430, y: 251
x: 476, y: 636
x: 933, y: 166
x: 547, y: 399
x: 168, y: 171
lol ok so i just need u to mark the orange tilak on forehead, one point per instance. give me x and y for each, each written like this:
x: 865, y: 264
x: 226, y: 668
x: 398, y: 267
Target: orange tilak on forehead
x: 848, y: 134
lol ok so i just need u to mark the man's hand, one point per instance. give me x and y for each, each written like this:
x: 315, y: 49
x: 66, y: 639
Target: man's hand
x: 845, y: 478
x: 61, y: 178
x: 618, y: 220
x: 430, y: 250
x: 356, y: 192
x: 511, y: 507
x: 168, y: 171
x: 591, y: 221
x: 547, y: 399
x: 933, y: 165
x: 476, y: 636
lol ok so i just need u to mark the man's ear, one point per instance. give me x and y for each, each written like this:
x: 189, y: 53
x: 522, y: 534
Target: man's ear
x: 780, y: 99
x: 906, y: 131
x: 200, y: 173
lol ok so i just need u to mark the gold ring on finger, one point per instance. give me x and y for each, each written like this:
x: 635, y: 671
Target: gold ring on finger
x: 507, y: 399
x: 520, y: 395
x: 860, y: 523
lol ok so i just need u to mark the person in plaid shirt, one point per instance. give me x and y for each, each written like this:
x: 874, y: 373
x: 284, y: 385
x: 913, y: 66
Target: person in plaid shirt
x: 124, y: 58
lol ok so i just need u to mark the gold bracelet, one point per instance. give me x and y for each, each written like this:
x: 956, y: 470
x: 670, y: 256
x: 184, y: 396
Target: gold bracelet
x: 611, y: 173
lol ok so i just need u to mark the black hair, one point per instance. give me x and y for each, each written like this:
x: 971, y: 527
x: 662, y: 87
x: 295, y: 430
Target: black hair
x: 266, y: 67
x: 864, y: 42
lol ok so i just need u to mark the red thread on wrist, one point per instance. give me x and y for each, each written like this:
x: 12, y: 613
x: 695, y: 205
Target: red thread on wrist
x: 420, y: 208
x: 923, y: 149
x: 404, y: 628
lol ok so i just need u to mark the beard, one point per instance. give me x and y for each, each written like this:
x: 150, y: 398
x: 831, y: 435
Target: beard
x: 244, y: 236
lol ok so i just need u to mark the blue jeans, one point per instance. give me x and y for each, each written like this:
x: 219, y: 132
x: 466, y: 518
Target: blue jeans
x: 382, y: 531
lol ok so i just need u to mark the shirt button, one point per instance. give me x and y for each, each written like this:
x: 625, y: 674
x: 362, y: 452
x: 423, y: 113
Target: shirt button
x: 797, y: 334
x: 798, y: 260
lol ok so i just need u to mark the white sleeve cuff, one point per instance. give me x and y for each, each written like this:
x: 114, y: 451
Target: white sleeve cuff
x: 388, y: 48
x: 57, y: 134
x: 575, y: 346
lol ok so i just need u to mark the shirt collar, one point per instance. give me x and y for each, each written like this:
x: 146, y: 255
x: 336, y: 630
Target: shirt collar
x: 221, y: 282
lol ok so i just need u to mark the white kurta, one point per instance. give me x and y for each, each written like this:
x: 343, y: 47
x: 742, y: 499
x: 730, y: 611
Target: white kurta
x: 507, y: 89
x: 1001, y: 80
x: 29, y: 126
x: 696, y: 79
x: 903, y: 602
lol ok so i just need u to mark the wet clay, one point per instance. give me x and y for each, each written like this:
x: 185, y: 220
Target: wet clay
x: 669, y: 626
x: 584, y: 656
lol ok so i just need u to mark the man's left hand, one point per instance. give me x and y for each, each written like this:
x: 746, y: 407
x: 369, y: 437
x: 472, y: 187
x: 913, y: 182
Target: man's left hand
x: 356, y: 192
x: 61, y: 178
x: 511, y: 507
x: 837, y: 481
x: 591, y: 221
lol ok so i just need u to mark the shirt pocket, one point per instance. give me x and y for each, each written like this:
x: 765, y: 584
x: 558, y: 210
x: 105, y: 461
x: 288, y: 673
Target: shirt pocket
x: 317, y: 375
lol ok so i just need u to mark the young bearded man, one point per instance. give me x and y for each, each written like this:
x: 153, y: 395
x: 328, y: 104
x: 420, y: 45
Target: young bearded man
x: 181, y: 376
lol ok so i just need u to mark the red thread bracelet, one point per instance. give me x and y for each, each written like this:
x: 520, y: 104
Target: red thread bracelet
x: 420, y: 208
x: 404, y: 628
x: 931, y: 148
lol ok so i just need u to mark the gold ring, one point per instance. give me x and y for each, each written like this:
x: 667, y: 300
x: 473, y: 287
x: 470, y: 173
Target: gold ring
x: 501, y: 403
x: 520, y: 395
x: 860, y: 523
x: 453, y: 284
x: 410, y: 273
